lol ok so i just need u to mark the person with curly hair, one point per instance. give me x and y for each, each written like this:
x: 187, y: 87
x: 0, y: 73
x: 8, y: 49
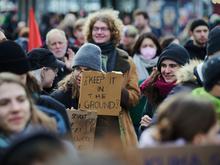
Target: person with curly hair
x: 103, y: 28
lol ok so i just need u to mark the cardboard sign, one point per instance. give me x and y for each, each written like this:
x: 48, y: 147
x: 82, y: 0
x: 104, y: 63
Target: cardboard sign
x: 101, y: 92
x: 83, y: 125
x: 181, y: 155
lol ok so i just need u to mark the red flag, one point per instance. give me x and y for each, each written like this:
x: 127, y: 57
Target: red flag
x: 34, y: 33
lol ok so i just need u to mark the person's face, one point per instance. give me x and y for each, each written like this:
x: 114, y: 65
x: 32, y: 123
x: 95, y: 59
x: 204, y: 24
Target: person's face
x: 48, y: 75
x: 168, y: 70
x: 128, y: 41
x: 200, y: 35
x: 147, y: 42
x: 78, y: 33
x: 57, y: 45
x: 14, y: 108
x: 77, y: 73
x: 140, y: 22
x: 101, y: 32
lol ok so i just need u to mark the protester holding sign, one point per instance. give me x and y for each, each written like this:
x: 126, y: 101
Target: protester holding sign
x: 87, y: 58
x: 103, y: 28
x: 183, y: 119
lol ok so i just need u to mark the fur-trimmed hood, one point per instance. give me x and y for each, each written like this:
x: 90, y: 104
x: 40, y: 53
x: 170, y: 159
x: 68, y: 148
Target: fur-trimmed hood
x: 186, y: 72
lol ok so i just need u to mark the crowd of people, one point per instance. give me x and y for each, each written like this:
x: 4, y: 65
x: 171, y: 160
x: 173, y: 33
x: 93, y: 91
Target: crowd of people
x: 170, y: 91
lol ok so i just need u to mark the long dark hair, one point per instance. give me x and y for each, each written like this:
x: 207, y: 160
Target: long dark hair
x: 136, y: 49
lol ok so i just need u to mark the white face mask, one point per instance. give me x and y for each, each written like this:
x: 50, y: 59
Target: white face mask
x: 148, y: 53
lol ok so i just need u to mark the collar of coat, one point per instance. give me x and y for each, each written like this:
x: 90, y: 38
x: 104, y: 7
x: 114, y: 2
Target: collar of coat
x: 122, y: 61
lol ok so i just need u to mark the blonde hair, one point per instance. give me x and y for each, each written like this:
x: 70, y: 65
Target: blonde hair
x: 67, y: 83
x: 108, y: 16
x: 79, y: 23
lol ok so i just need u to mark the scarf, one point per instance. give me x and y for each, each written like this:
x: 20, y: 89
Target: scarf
x: 109, y: 52
x: 5, y: 140
x: 142, y: 65
x: 164, y: 87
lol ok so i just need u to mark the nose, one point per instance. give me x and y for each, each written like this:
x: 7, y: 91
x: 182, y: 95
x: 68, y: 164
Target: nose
x: 15, y: 106
x: 78, y: 73
x: 99, y: 31
x: 203, y: 33
x: 167, y: 69
x: 57, y: 45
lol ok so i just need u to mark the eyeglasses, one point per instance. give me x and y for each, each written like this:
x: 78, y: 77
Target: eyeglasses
x: 103, y: 29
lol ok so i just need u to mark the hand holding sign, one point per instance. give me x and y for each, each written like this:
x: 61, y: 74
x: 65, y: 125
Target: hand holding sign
x: 101, y: 92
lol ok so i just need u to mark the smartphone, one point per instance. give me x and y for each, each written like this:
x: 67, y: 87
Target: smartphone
x: 66, y: 54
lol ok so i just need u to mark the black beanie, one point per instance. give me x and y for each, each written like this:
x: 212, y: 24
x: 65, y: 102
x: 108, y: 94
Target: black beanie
x: 211, y: 71
x: 13, y: 58
x: 198, y: 22
x: 213, y: 41
x: 41, y: 57
x: 174, y: 52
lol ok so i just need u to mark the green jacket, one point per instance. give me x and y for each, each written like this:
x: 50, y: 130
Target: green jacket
x: 202, y: 93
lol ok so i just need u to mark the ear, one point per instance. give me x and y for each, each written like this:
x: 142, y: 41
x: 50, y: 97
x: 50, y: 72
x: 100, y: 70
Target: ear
x: 199, y: 139
x: 42, y: 73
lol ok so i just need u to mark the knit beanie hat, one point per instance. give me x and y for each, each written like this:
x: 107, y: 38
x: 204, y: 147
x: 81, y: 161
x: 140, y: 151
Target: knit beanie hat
x: 174, y: 52
x: 198, y: 22
x: 41, y: 57
x: 213, y: 41
x: 89, y: 55
x: 13, y: 58
x: 211, y: 71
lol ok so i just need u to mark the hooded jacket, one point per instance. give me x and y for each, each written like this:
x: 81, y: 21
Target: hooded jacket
x: 201, y: 92
x: 186, y: 80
